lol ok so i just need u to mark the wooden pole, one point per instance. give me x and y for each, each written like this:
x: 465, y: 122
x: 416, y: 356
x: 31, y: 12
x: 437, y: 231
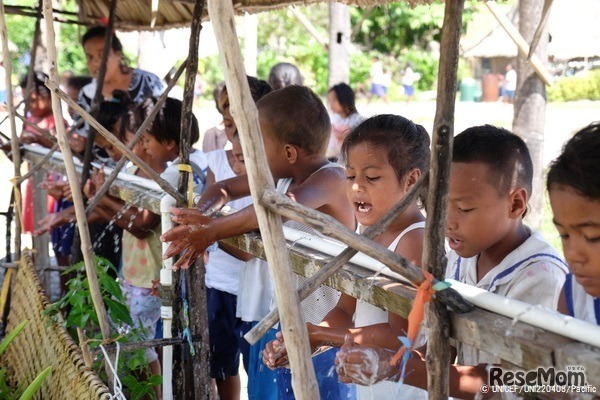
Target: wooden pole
x: 143, y: 127
x: 305, y: 22
x: 89, y: 143
x: 112, y: 139
x: 521, y: 43
x: 338, y: 261
x: 39, y: 165
x: 191, y: 375
x: 14, y: 139
x: 434, y: 254
x: 30, y: 85
x: 244, y: 112
x: 84, y: 233
x: 540, y: 28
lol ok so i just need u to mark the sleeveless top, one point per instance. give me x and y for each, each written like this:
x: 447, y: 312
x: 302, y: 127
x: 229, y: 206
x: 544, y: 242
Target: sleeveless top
x: 367, y: 314
x: 318, y: 304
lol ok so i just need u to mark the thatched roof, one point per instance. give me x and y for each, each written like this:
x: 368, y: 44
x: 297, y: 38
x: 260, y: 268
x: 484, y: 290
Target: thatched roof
x: 137, y: 14
x: 573, y: 26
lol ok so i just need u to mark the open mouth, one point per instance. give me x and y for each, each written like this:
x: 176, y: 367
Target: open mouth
x: 454, y: 243
x: 363, y: 208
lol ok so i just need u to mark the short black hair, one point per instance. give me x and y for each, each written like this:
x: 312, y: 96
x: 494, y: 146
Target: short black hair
x: 100, y: 32
x: 167, y: 123
x: 345, y: 96
x: 258, y: 89
x: 79, y: 81
x: 39, y: 80
x: 298, y: 117
x: 284, y: 74
x: 406, y: 143
x: 110, y: 112
x: 505, y: 153
x: 578, y: 165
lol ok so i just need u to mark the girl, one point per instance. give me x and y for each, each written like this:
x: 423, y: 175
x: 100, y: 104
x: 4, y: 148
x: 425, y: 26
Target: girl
x: 574, y: 189
x: 384, y: 156
x: 345, y: 118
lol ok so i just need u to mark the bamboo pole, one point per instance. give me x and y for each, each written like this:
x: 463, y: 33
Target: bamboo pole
x: 86, y: 245
x: 191, y: 375
x: 338, y: 261
x: 112, y: 139
x: 286, y: 207
x: 89, y: 143
x: 434, y: 254
x: 521, y: 43
x: 14, y: 139
x: 30, y: 85
x: 540, y: 28
x: 39, y: 165
x: 143, y: 127
x: 245, y: 114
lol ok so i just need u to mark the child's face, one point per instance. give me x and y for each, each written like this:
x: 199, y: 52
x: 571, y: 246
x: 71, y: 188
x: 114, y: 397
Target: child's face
x: 112, y: 151
x: 372, y: 185
x: 577, y: 220
x: 138, y: 149
x: 479, y: 217
x: 93, y: 55
x: 276, y: 151
x: 39, y: 105
x: 239, y: 167
x: 155, y: 149
x: 228, y: 122
x: 334, y: 104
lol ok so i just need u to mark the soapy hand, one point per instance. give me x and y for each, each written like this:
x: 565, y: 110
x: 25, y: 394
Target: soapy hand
x: 365, y: 365
x: 275, y: 353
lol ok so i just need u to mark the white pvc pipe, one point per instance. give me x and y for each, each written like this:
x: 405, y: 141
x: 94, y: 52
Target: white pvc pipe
x: 166, y: 312
x: 535, y: 315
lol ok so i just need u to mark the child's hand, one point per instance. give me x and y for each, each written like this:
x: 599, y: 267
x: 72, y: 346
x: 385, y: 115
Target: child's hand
x: 190, y: 239
x: 98, y: 177
x: 275, y: 354
x: 364, y: 365
x: 54, y: 188
x: 47, y: 223
x: 89, y: 189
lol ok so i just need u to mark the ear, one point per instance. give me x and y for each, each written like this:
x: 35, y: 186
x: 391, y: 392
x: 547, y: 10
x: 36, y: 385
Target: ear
x: 170, y: 144
x: 291, y: 153
x: 518, y: 202
x: 412, y: 177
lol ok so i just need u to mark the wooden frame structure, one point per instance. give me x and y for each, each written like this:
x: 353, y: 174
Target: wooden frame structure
x: 478, y: 328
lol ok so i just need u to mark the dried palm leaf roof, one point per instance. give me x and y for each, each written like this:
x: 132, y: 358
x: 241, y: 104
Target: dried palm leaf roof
x: 138, y: 14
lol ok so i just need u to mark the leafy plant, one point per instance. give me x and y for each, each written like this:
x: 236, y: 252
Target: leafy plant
x: 79, y: 312
x: 579, y: 87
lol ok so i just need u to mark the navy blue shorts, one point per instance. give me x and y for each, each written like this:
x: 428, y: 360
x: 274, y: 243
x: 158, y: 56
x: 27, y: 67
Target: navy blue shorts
x: 222, y: 328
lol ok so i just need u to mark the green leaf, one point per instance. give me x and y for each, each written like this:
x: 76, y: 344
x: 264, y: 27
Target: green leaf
x: 110, y: 285
x: 118, y: 312
x: 35, y: 385
x: 11, y: 336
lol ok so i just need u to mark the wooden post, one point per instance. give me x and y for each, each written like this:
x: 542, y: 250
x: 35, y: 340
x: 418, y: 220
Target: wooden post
x: 191, y: 375
x: 338, y: 261
x: 89, y: 143
x: 434, y: 258
x: 14, y: 139
x: 244, y: 112
x: 540, y: 29
x: 155, y: 110
x: 84, y: 233
x: 112, y: 139
x: 39, y: 165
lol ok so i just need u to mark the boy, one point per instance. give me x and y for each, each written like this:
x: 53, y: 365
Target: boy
x: 490, y: 184
x: 295, y: 128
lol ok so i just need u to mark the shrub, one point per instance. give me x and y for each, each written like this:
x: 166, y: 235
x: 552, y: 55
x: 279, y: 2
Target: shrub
x: 579, y: 87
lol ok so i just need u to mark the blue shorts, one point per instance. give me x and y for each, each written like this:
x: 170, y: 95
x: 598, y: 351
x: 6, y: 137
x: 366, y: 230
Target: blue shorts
x: 262, y: 381
x: 378, y: 89
x: 330, y: 388
x: 62, y: 236
x: 222, y: 328
x: 409, y: 90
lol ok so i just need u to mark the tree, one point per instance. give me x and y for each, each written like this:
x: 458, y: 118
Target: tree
x: 339, y: 44
x: 530, y: 105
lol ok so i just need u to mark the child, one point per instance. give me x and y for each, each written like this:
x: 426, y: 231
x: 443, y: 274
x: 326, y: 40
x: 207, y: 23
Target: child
x: 345, y: 118
x: 384, y: 155
x: 225, y: 263
x: 161, y: 140
x: 490, y: 183
x: 214, y: 138
x: 295, y: 129
x: 574, y: 188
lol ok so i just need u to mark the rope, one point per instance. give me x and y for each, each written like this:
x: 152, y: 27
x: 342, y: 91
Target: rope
x: 117, y: 386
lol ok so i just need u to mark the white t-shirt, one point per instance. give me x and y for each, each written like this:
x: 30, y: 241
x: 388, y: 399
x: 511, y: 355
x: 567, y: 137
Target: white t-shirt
x: 511, y: 80
x: 222, y: 269
x: 534, y: 273
x: 199, y: 167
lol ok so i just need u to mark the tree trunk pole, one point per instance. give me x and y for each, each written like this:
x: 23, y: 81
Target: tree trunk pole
x: 339, y: 41
x: 530, y: 106
x: 434, y: 259
x: 191, y: 375
x: 244, y: 111
x: 14, y: 139
x: 86, y: 245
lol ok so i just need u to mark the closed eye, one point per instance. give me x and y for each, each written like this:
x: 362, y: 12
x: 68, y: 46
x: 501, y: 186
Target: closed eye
x: 373, y: 179
x: 350, y: 178
x: 465, y: 210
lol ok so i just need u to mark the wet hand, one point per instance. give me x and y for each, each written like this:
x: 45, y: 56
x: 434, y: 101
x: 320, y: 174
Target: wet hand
x: 190, y: 239
x: 54, y: 188
x: 275, y: 353
x: 47, y: 223
x: 364, y: 365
